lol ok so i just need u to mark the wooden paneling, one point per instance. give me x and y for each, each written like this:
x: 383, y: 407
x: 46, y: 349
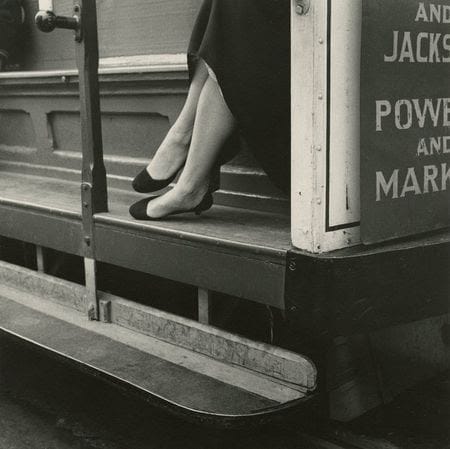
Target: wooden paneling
x: 137, y: 110
x: 324, y: 139
x: 126, y: 27
x: 16, y: 129
x: 124, y: 134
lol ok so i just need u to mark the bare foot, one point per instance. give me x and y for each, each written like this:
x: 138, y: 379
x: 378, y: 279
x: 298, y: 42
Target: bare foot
x: 171, y: 155
x: 177, y: 199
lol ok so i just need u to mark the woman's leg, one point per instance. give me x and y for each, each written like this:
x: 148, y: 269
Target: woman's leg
x: 173, y: 150
x: 213, y: 125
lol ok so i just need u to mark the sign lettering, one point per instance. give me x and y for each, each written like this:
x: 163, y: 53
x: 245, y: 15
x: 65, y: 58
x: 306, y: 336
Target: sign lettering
x: 405, y: 118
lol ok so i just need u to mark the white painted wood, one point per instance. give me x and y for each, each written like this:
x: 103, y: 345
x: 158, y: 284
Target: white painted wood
x: 90, y: 274
x: 346, y: 16
x: 304, y: 122
x: 310, y: 97
x: 45, y: 5
x: 121, y: 64
x: 268, y: 360
x: 170, y: 62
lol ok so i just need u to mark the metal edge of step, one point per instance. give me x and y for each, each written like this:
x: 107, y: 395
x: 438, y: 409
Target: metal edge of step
x: 236, y: 350
x: 255, y: 417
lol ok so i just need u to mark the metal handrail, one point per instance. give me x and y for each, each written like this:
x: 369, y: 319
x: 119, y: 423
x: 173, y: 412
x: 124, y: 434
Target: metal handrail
x: 94, y: 196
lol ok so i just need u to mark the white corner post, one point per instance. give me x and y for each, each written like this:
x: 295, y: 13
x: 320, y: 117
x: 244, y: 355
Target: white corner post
x: 325, y: 46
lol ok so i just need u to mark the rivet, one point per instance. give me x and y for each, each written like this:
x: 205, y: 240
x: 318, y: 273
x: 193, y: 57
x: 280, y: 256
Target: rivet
x: 318, y: 148
x: 85, y: 187
x: 320, y: 40
x: 85, y: 205
x: 320, y: 97
x: 319, y: 201
x: 318, y: 246
x: 292, y: 265
x: 64, y: 79
x: 293, y: 309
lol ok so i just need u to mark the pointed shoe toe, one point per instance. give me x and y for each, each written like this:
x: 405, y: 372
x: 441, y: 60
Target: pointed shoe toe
x: 144, y: 183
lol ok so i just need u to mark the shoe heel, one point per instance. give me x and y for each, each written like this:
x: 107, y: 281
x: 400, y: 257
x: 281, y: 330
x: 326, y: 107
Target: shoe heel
x: 205, y: 204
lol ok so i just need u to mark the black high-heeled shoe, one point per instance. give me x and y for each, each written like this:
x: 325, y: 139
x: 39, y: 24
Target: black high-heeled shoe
x: 139, y: 210
x: 144, y: 183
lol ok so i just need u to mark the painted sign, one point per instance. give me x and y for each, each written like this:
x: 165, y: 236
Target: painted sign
x: 405, y: 118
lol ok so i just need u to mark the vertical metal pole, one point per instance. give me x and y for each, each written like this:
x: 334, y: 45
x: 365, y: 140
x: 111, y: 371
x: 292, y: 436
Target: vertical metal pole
x: 40, y: 259
x: 204, y: 306
x: 93, y: 187
x: 93, y: 184
x: 91, y: 299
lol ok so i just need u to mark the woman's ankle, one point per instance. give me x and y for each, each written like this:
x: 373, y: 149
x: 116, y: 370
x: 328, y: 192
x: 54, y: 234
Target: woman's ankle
x: 190, y: 190
x: 171, y: 155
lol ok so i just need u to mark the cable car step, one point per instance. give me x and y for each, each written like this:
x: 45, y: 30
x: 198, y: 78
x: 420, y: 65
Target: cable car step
x: 183, y: 366
x: 201, y: 251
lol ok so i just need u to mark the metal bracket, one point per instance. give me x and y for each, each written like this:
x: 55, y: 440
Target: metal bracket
x: 302, y: 7
x: 87, y: 220
x: 77, y: 17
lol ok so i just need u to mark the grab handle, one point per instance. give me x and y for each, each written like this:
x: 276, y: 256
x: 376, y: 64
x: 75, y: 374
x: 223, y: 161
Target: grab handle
x: 46, y: 20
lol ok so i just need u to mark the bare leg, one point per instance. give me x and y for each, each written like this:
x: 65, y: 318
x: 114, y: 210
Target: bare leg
x: 173, y: 150
x: 214, y: 123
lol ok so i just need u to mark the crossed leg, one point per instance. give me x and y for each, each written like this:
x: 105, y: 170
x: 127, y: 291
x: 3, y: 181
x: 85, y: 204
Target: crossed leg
x: 173, y: 150
x: 213, y: 125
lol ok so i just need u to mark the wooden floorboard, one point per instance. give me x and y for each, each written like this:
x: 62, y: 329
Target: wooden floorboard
x: 234, y: 251
x: 264, y: 231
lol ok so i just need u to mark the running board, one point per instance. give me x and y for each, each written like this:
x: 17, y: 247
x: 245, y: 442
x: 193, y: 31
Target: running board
x: 191, y: 369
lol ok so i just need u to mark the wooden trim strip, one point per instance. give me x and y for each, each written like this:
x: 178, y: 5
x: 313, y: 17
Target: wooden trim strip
x: 288, y: 368
x: 232, y: 349
x: 117, y: 65
x: 238, y: 378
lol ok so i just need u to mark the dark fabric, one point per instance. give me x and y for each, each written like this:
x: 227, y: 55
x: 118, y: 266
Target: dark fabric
x: 247, y: 44
x: 10, y: 23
